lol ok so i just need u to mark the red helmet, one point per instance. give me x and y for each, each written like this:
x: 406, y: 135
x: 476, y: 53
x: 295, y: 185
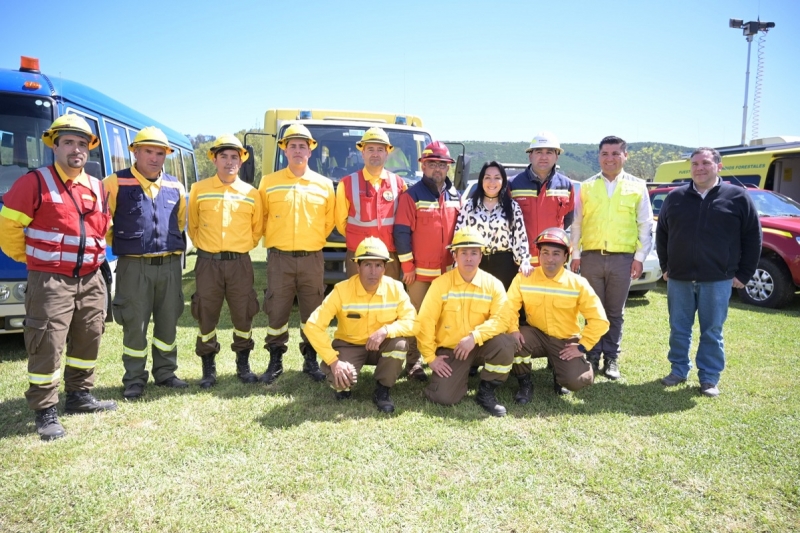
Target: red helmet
x: 436, y: 151
x: 555, y: 236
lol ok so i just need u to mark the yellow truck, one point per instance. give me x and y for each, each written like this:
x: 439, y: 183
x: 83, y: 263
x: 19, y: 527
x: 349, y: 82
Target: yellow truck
x: 772, y: 164
x: 336, y: 156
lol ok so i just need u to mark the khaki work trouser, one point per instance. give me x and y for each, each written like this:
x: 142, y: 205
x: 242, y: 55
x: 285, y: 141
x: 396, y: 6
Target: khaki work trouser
x: 496, y: 355
x: 232, y: 281
x: 145, y: 289
x: 388, y: 359
x: 62, y: 310
x: 574, y: 374
x: 289, y: 276
x: 393, y: 269
x: 416, y: 293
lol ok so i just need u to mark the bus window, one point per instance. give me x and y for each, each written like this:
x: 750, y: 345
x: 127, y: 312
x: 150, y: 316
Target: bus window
x: 191, y: 171
x: 23, y: 118
x: 173, y: 164
x: 117, y: 147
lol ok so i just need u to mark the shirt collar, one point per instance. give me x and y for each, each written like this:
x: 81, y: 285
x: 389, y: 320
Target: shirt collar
x: 82, y: 178
x: 143, y: 181
x: 217, y: 183
x: 477, y: 280
x: 361, y: 291
x: 715, y: 184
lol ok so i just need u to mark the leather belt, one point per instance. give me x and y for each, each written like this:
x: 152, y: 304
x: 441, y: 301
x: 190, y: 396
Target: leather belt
x: 155, y: 260
x: 222, y: 256
x: 297, y: 253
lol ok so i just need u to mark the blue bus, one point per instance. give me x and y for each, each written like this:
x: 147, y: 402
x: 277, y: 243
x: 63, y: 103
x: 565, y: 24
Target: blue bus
x: 29, y: 102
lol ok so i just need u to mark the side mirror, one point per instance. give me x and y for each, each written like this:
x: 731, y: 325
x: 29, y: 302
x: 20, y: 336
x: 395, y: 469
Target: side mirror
x: 248, y: 171
x: 462, y: 172
x: 94, y: 169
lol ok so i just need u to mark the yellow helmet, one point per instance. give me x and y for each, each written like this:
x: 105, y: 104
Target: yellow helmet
x: 468, y: 237
x: 375, y: 135
x: 69, y: 124
x: 150, y: 136
x: 228, y: 142
x: 372, y: 248
x: 297, y: 131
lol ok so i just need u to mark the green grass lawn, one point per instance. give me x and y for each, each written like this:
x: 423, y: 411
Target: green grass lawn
x: 619, y: 456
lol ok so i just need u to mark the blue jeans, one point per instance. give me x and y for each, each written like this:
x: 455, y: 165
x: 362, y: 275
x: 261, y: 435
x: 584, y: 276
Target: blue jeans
x: 709, y: 300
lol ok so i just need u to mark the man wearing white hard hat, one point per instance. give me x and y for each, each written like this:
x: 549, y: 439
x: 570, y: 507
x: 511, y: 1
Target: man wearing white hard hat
x: 148, y: 209
x: 544, y: 195
x: 367, y: 200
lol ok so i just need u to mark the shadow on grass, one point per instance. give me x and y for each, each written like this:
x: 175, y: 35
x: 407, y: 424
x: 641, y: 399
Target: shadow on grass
x: 12, y: 347
x: 642, y: 399
x: 315, y: 402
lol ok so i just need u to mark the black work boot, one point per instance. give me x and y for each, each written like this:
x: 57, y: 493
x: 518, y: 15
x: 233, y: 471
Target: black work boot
x: 83, y: 402
x: 243, y: 367
x: 382, y: 399
x: 310, y: 365
x: 275, y: 366
x: 595, y: 366
x: 525, y: 391
x: 209, y: 378
x: 47, y: 425
x: 487, y: 399
x: 558, y: 389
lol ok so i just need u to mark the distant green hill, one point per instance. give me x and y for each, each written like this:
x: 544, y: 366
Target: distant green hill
x: 579, y: 161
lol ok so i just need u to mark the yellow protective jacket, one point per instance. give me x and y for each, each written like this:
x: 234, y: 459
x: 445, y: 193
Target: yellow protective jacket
x: 225, y: 217
x: 298, y: 211
x: 610, y: 223
x: 359, y: 314
x: 553, y: 305
x: 454, y: 308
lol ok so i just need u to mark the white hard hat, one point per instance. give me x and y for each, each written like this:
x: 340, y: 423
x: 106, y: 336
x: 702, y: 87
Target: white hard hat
x: 545, y: 139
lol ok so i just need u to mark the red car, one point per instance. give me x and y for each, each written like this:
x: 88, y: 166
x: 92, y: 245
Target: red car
x: 777, y: 277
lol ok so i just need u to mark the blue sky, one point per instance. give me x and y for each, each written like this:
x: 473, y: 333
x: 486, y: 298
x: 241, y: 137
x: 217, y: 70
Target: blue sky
x: 497, y: 71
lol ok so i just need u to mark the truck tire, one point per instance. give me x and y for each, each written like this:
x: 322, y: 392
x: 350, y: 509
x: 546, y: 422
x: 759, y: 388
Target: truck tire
x: 771, y: 286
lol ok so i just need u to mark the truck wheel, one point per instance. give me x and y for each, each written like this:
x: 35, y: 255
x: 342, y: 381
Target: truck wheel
x: 771, y: 285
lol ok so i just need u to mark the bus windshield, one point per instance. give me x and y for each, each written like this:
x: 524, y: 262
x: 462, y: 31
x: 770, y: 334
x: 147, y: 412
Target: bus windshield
x: 22, y: 121
x: 336, y: 155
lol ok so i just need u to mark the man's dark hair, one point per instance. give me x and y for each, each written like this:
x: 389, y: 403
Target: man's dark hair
x: 714, y: 153
x: 611, y: 139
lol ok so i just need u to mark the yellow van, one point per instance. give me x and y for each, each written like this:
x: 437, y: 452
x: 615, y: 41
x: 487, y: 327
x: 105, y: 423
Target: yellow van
x: 772, y: 164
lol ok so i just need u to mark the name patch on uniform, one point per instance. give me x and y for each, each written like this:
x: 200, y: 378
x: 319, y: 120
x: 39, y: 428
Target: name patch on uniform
x: 388, y: 196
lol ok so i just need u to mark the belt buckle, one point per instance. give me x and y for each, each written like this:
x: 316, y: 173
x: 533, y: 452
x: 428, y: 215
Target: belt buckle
x: 157, y: 261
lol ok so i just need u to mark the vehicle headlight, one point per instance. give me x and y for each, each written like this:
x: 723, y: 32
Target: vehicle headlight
x: 5, y: 292
x: 19, y: 291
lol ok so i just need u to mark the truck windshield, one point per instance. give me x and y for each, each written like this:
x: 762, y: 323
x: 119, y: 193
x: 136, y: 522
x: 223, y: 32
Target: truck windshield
x: 336, y: 155
x: 22, y: 121
x: 770, y: 204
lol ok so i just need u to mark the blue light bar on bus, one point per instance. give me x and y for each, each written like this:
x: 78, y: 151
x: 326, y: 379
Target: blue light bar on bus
x: 304, y: 115
x: 400, y: 120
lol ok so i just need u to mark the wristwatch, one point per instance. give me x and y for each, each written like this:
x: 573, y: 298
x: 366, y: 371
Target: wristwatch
x: 581, y: 348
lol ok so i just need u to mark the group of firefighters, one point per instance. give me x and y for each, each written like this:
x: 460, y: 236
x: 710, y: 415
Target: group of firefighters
x: 415, y: 294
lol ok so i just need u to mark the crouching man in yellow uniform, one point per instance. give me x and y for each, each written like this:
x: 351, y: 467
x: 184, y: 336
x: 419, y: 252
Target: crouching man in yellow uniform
x: 374, y: 316
x: 553, y: 297
x: 461, y: 325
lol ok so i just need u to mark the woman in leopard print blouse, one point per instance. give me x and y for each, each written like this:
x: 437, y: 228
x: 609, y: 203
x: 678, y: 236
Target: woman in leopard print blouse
x: 498, y: 217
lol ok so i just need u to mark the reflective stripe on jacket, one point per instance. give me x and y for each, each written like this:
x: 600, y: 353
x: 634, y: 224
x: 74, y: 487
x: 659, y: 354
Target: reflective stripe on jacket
x: 67, y: 235
x: 372, y: 212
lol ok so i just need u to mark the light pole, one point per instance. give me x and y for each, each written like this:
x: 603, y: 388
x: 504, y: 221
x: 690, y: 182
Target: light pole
x: 748, y: 29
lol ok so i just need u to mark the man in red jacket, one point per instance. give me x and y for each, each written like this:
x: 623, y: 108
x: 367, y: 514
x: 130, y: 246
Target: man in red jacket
x: 423, y: 229
x: 55, y: 219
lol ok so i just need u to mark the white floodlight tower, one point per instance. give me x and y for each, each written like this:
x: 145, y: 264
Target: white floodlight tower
x: 748, y: 29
